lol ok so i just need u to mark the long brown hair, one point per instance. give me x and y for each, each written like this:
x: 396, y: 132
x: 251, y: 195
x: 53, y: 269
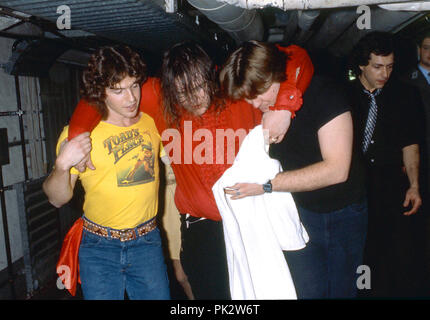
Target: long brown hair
x: 107, y: 67
x: 186, y: 67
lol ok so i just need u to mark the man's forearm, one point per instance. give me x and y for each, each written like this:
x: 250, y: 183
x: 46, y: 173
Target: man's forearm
x: 313, y: 177
x: 59, y: 187
x: 411, y: 160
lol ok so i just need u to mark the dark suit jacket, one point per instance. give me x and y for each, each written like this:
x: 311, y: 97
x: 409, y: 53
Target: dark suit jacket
x: 416, y: 78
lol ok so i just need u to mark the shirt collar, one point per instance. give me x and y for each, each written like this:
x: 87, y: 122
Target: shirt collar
x: 425, y: 73
x: 374, y: 93
x: 367, y: 92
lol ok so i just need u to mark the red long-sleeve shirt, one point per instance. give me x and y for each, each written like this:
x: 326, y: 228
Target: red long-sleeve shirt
x: 197, y: 168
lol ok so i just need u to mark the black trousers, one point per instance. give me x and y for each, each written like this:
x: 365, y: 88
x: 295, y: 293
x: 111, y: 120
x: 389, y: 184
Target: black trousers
x: 204, y: 260
x: 395, y: 250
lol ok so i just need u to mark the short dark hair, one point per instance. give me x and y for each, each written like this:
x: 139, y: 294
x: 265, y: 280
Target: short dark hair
x: 422, y: 38
x: 189, y: 64
x: 251, y: 70
x: 377, y: 42
x: 108, y: 66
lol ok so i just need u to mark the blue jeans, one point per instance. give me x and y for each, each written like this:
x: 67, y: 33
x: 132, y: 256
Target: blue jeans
x: 108, y: 268
x: 327, y: 266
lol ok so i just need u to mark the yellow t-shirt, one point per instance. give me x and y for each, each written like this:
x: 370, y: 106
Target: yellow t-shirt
x: 122, y: 192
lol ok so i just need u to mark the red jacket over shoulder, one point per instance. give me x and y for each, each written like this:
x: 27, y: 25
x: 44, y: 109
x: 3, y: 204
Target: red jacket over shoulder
x: 193, y: 146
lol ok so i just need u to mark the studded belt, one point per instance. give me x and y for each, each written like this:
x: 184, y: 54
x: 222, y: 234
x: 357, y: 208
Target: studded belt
x: 122, y: 235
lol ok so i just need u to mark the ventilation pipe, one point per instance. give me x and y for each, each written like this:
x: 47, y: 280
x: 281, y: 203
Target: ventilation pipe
x: 171, y: 6
x: 408, y: 6
x: 240, y: 23
x: 305, y: 20
x: 306, y: 4
x: 334, y: 26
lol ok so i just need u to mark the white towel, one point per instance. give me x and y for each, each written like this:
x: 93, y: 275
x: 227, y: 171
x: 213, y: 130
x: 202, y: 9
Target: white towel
x: 257, y: 229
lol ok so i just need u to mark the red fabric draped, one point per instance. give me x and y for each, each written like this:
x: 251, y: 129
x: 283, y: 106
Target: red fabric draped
x: 69, y: 257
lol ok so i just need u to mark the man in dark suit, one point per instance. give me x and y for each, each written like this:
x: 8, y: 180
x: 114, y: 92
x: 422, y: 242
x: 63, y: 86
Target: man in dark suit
x: 420, y: 78
x: 387, y: 130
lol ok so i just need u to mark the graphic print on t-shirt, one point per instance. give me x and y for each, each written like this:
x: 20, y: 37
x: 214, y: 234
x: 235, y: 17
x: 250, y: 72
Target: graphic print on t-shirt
x: 133, y: 157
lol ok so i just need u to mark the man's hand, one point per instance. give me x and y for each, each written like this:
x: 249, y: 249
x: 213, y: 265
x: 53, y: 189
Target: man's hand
x: 85, y: 163
x: 74, y: 152
x: 277, y: 122
x: 242, y: 190
x: 412, y: 197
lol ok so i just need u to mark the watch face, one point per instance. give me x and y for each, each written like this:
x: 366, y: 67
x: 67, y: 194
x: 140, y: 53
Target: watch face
x: 267, y: 187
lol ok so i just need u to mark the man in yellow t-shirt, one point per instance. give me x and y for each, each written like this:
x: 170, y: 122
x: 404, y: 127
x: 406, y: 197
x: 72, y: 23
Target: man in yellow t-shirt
x: 120, y: 249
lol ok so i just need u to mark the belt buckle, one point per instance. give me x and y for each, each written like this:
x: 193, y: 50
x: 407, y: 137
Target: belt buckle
x: 127, y: 235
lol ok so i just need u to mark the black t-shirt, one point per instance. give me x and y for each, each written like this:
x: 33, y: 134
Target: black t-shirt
x: 324, y: 100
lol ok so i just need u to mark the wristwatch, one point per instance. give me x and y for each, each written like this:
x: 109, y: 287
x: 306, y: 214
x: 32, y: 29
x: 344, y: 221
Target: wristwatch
x: 267, y: 187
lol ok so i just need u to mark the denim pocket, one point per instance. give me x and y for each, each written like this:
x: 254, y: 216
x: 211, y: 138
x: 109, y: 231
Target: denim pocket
x: 90, y: 240
x: 152, y: 237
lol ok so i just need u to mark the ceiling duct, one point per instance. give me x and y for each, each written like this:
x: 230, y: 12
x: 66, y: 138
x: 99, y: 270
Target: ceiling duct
x: 382, y: 20
x: 306, y: 19
x: 332, y: 28
x: 33, y: 58
x: 240, y: 23
x: 306, y: 4
x: 408, y: 6
x: 142, y: 24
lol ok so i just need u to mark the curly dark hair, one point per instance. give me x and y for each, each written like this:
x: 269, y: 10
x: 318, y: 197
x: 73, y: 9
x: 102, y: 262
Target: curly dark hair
x: 188, y: 65
x: 377, y: 42
x: 251, y: 70
x: 106, y: 67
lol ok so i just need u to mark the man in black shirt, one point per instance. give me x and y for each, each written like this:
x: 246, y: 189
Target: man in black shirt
x: 324, y: 176
x: 387, y: 130
x: 318, y: 148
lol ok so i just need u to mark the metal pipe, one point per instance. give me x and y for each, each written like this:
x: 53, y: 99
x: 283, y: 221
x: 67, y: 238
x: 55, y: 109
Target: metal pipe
x: 11, y: 113
x: 171, y: 6
x: 21, y: 127
x: 306, y: 4
x: 240, y: 23
x: 306, y: 18
x: 409, y: 6
x: 332, y: 28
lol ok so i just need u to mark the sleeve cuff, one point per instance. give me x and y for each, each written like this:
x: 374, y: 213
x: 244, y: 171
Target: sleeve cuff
x: 289, y: 98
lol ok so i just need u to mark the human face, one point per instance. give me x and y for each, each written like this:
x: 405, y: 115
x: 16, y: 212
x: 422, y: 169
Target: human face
x: 197, y: 103
x: 425, y: 54
x: 267, y: 99
x: 376, y: 74
x: 122, y: 102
